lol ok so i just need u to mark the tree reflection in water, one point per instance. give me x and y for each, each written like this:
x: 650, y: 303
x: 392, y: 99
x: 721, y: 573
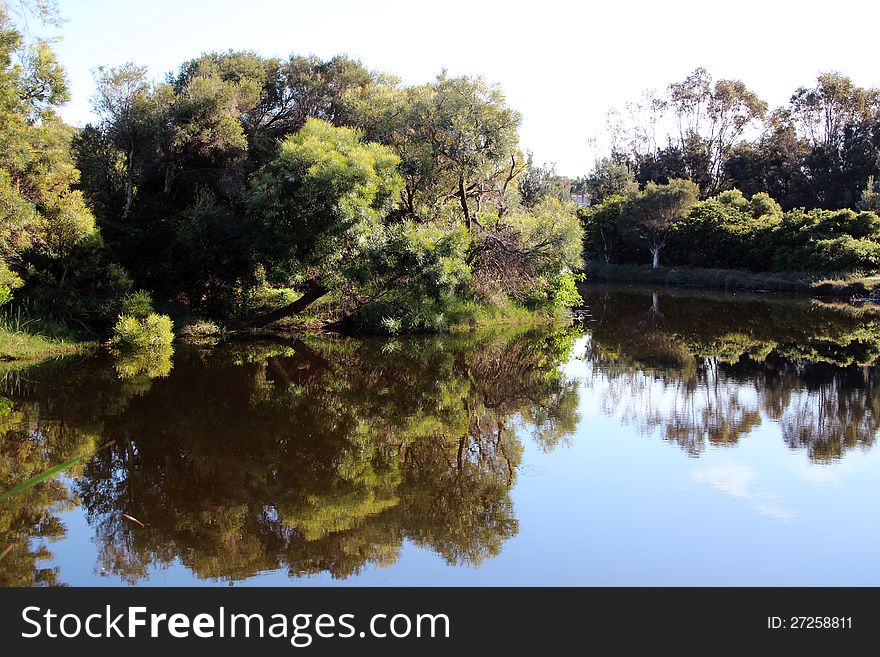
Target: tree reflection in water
x: 325, y: 455
x: 312, y: 455
x: 702, y: 370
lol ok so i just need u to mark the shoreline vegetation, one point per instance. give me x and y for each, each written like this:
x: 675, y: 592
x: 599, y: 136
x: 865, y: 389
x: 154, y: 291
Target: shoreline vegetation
x: 807, y: 284
x: 252, y: 195
x: 23, y: 348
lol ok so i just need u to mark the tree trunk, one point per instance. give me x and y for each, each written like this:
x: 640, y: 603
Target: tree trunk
x: 313, y: 291
x: 129, y: 185
x: 655, y: 252
x: 462, y: 197
x: 169, y: 177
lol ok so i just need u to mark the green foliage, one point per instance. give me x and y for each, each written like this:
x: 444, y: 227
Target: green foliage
x: 565, y: 293
x: 321, y: 200
x: 651, y: 215
x: 609, y: 178
x: 870, y: 199
x: 457, y: 141
x: 539, y: 182
x: 731, y: 231
x: 49, y: 243
x: 137, y: 304
x: 151, y: 331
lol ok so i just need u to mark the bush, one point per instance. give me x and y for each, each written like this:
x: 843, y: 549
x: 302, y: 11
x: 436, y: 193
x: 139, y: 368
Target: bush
x: 153, y: 331
x: 137, y: 304
x: 564, y: 290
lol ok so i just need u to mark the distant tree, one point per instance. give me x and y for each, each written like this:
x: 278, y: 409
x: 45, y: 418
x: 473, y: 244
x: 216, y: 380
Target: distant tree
x: 601, y: 227
x: 823, y: 112
x: 870, y: 197
x: 715, y: 115
x: 609, y: 178
x: 540, y: 182
x: 775, y: 164
x: 651, y: 215
x: 841, y: 123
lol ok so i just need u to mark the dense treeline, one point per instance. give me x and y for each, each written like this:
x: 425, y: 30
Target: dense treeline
x: 738, y: 186
x: 397, y: 207
x: 729, y: 231
x: 821, y: 150
x: 254, y: 189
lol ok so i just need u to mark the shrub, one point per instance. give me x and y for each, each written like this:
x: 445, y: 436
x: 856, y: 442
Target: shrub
x: 137, y: 304
x: 153, y: 331
x: 564, y: 290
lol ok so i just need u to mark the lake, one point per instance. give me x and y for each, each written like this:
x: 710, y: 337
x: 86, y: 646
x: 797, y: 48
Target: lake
x: 672, y: 437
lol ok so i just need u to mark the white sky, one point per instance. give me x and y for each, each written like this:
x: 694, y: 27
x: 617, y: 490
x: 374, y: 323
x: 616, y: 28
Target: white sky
x: 562, y: 64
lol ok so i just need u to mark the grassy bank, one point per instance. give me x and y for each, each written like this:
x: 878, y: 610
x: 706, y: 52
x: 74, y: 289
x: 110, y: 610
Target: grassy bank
x: 21, y: 346
x: 24, y: 338
x: 844, y: 286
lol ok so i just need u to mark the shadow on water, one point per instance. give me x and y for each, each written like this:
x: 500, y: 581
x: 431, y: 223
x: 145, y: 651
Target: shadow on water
x: 325, y: 455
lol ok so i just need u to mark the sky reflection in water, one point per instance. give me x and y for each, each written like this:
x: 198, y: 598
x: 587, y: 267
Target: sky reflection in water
x: 676, y: 438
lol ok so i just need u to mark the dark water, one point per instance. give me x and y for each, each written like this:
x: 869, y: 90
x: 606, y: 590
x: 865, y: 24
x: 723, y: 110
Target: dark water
x: 674, y: 438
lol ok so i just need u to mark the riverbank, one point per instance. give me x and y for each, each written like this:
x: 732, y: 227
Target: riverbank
x: 22, y: 347
x: 332, y: 315
x: 735, y: 279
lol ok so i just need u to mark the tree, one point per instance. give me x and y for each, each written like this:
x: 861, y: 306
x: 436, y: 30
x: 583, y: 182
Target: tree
x: 823, y: 112
x: 539, y: 182
x: 652, y: 214
x: 127, y: 106
x: 775, y: 164
x: 870, y: 197
x: 609, y: 178
x: 457, y: 141
x: 706, y: 120
x: 41, y: 217
x: 717, y: 115
x: 601, y: 227
x: 317, y: 206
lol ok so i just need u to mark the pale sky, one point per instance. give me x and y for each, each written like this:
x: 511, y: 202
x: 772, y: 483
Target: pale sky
x: 562, y: 64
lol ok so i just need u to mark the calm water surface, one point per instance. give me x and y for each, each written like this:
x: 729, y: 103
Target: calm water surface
x: 673, y: 438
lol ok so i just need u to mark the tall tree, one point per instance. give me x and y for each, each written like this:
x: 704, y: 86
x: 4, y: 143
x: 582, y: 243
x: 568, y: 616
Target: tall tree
x: 127, y: 106
x: 457, y: 140
x: 39, y: 211
x: 652, y: 214
x: 716, y: 115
